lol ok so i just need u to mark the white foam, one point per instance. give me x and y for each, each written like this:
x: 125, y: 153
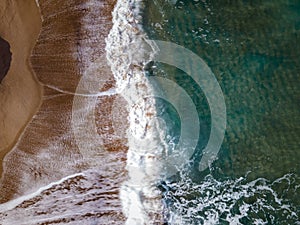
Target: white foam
x: 127, y: 53
x: 228, y: 198
x: 14, y: 203
x: 109, y: 92
x: 38, y: 5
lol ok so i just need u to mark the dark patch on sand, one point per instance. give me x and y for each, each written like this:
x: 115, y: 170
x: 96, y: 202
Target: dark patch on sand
x: 5, y: 58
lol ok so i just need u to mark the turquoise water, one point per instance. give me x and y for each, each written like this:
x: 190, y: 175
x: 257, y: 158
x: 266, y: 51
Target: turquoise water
x: 254, y: 52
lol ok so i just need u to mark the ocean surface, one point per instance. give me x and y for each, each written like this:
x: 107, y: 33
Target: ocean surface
x: 253, y: 50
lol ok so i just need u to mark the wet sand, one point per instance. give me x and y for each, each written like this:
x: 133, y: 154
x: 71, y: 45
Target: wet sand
x: 20, y: 92
x: 47, y: 151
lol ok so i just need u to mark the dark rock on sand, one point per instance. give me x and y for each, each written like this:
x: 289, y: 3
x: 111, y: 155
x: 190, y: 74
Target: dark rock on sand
x: 5, y: 58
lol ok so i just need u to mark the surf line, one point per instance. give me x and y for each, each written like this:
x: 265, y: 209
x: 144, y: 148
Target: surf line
x: 14, y: 203
x: 127, y: 54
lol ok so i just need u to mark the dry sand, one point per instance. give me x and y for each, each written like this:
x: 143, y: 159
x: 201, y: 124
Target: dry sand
x: 20, y: 93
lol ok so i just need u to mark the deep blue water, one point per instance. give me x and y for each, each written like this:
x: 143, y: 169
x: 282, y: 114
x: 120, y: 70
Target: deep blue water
x: 254, y: 52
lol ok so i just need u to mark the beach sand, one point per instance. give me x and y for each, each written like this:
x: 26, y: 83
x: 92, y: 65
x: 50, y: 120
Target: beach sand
x: 20, y: 92
x: 46, y: 150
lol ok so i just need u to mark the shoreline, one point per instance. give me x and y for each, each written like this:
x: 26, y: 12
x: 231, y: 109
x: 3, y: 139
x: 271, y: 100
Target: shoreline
x: 140, y: 196
x: 20, y: 91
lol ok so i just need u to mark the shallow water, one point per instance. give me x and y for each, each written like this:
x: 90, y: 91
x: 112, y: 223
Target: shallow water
x: 253, y: 51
